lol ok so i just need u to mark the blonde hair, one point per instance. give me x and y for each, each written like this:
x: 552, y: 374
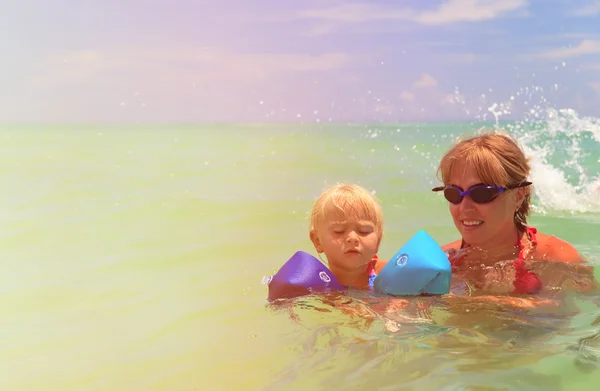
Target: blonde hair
x: 498, y: 160
x: 353, y: 200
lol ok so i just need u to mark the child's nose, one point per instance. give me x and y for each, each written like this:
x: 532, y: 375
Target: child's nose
x: 352, y: 237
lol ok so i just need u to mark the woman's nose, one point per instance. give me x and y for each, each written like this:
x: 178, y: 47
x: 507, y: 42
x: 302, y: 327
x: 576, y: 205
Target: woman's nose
x: 467, y: 203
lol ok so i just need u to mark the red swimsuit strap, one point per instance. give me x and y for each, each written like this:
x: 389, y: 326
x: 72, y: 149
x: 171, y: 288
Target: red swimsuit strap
x: 526, y: 282
x: 530, y: 231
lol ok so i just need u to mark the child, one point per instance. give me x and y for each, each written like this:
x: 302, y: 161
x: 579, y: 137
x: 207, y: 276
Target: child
x: 346, y: 224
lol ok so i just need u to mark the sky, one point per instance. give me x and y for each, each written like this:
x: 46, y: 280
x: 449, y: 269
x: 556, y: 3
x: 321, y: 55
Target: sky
x: 284, y: 60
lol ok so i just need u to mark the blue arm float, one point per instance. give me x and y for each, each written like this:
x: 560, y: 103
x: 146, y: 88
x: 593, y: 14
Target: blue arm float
x: 420, y: 266
x: 301, y: 275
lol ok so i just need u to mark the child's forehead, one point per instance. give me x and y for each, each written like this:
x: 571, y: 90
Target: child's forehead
x: 333, y: 213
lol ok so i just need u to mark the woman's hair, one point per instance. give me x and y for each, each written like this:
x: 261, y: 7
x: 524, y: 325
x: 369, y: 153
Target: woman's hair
x: 352, y: 200
x: 498, y: 160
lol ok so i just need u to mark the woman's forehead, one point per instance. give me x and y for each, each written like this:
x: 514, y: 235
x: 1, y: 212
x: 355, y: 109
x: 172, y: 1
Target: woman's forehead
x: 463, y: 174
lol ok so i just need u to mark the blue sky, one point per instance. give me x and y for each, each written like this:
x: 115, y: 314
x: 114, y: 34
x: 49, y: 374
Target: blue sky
x: 184, y: 61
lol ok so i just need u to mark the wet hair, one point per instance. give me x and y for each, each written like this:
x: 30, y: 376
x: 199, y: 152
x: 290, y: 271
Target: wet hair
x: 498, y: 160
x: 352, y: 200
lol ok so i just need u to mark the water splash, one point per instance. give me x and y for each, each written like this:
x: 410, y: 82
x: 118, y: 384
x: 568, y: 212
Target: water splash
x: 563, y: 148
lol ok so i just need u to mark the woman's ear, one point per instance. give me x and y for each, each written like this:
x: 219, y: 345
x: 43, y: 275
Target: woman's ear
x: 315, y: 239
x: 520, y: 197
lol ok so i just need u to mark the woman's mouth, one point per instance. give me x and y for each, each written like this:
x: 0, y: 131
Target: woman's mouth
x: 471, y: 224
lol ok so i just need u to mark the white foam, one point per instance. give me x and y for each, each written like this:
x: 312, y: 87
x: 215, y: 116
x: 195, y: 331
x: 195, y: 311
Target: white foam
x: 558, y: 146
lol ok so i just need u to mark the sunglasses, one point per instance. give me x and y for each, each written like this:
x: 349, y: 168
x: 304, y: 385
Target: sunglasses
x: 480, y: 194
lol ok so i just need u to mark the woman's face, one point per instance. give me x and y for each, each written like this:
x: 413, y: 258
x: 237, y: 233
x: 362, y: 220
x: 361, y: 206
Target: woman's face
x: 483, y: 225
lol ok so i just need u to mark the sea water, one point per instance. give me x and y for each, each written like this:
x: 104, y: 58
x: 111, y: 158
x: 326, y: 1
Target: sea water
x: 133, y: 257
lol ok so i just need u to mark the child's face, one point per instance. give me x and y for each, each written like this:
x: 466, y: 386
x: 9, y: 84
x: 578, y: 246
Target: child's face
x: 348, y: 242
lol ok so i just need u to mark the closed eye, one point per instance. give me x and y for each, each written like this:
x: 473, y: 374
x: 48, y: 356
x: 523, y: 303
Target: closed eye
x: 366, y: 229
x: 338, y: 228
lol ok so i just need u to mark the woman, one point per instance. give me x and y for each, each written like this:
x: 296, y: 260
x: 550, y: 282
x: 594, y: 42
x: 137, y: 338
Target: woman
x: 486, y: 183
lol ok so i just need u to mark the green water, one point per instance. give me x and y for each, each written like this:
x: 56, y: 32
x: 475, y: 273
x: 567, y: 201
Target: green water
x: 133, y: 259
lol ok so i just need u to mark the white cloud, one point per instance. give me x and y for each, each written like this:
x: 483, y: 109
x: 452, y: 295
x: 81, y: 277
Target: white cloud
x: 470, y: 11
x: 565, y: 36
x: 453, y: 99
x: 589, y: 10
x: 188, y: 64
x: 407, y: 96
x: 358, y: 12
x: 425, y: 81
x: 585, y: 47
x: 425, y: 104
x: 452, y: 11
x: 592, y: 67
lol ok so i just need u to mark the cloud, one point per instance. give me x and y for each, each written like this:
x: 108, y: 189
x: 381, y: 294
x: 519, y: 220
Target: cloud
x: 207, y: 64
x: 596, y: 86
x: 565, y: 36
x: 585, y: 47
x: 131, y: 83
x: 592, y: 67
x: 452, y: 11
x: 358, y: 12
x: 425, y: 81
x: 589, y: 10
x: 470, y: 11
x: 407, y: 96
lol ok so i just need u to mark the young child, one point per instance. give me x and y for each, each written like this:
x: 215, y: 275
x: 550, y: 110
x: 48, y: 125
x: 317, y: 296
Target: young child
x: 346, y: 224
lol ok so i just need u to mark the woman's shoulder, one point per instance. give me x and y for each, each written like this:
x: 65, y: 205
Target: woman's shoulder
x: 554, y: 249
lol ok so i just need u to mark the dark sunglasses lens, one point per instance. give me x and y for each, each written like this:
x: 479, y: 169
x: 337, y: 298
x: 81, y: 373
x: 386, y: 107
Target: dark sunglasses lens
x: 481, y: 195
x: 452, y: 195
